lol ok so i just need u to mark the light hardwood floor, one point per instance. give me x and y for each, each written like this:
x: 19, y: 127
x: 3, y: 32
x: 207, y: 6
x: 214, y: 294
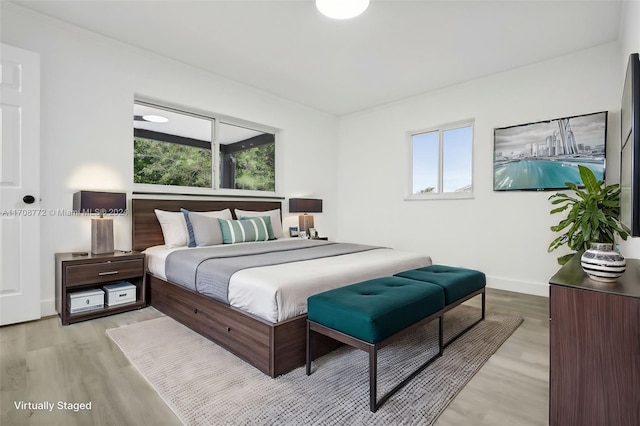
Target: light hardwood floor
x: 512, y: 388
x: 43, y: 361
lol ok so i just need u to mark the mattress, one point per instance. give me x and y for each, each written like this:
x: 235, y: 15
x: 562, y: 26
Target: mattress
x: 279, y: 292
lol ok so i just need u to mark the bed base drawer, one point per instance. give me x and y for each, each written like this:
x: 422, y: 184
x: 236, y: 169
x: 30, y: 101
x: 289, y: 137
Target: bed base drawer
x: 235, y: 331
x: 274, y: 349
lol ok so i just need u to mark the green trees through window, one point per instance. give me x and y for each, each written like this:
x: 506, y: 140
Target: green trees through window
x: 255, y: 168
x: 164, y: 163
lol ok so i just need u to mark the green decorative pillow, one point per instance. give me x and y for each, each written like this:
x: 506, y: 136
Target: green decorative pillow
x: 267, y: 223
x: 240, y: 231
x: 274, y: 215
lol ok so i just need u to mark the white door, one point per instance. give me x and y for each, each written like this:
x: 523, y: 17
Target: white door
x: 19, y: 179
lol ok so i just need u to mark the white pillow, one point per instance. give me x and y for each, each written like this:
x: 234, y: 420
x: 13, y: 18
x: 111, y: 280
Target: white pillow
x: 218, y: 214
x: 174, y: 228
x: 276, y: 222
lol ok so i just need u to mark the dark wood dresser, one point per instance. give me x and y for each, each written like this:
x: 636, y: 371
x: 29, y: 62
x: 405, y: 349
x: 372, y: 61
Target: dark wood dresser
x: 594, y: 348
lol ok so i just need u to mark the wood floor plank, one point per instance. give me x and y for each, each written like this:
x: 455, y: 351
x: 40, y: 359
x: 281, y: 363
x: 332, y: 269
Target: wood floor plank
x: 42, y: 360
x: 513, y: 386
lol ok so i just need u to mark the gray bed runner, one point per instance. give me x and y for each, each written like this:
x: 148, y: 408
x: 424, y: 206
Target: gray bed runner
x: 209, y: 270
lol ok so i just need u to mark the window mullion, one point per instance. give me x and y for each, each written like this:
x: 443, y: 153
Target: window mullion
x: 215, y: 151
x: 440, y: 162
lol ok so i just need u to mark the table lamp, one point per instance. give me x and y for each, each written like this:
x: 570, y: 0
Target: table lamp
x: 305, y: 206
x: 101, y: 203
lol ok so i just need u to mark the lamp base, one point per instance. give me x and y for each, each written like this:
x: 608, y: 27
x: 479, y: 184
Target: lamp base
x: 305, y: 221
x: 101, y: 236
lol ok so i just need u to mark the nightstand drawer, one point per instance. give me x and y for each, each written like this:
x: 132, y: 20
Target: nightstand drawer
x: 102, y: 272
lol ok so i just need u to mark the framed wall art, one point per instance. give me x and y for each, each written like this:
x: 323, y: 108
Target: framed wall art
x: 544, y: 155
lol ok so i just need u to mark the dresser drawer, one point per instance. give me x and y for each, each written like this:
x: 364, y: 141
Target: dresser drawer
x: 102, y: 272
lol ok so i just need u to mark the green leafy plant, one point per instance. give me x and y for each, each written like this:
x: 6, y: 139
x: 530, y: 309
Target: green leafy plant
x: 593, y: 215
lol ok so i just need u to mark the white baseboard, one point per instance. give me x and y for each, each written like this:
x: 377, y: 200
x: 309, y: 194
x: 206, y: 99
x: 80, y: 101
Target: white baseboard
x: 526, y: 287
x: 48, y: 308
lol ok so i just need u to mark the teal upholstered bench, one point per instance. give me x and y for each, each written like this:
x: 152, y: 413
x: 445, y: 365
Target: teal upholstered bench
x: 459, y: 285
x: 371, y: 314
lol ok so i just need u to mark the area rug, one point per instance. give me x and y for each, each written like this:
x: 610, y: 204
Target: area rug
x: 206, y: 385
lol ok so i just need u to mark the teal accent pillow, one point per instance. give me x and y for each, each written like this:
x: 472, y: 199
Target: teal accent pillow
x: 241, y: 231
x: 267, y: 223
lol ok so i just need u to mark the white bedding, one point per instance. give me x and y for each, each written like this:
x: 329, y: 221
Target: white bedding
x: 279, y: 292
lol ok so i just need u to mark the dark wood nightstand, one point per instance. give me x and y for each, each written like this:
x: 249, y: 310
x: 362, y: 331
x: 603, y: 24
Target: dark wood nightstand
x: 93, y: 271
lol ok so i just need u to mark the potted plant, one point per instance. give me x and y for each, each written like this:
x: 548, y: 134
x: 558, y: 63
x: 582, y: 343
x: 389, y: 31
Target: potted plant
x: 593, y: 219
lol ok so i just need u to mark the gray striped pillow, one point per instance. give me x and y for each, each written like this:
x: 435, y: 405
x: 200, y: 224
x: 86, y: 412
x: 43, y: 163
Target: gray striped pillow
x: 241, y: 231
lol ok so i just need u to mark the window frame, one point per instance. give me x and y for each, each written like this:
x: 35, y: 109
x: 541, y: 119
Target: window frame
x: 216, y: 183
x: 440, y: 195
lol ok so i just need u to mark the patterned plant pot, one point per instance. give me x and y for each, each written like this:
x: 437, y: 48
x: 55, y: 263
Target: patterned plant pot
x: 602, y: 263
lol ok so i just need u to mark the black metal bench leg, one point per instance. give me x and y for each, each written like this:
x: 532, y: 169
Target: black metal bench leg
x: 419, y: 370
x: 454, y: 338
x: 373, y: 378
x: 440, y: 335
x: 308, y: 349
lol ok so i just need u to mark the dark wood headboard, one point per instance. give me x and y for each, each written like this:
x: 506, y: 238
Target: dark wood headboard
x: 146, y: 231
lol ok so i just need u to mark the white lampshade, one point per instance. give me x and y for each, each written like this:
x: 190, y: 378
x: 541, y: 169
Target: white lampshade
x: 342, y: 9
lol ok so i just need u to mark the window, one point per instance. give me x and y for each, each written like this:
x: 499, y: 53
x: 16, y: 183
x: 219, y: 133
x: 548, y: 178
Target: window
x: 247, y: 158
x: 442, y: 161
x: 171, y: 148
x: 177, y: 148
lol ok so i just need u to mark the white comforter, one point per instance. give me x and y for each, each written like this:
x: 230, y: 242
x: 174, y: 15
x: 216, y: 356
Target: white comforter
x: 279, y: 292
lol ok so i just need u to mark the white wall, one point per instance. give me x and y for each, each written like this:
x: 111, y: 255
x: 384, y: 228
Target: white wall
x: 630, y: 30
x: 630, y: 43
x: 88, y: 86
x: 504, y: 234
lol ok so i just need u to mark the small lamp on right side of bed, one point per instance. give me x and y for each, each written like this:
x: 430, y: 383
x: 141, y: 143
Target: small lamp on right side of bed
x: 305, y: 206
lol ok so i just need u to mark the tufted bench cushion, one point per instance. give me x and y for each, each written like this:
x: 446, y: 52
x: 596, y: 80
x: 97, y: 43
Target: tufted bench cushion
x: 376, y: 309
x: 371, y: 314
x: 457, y: 283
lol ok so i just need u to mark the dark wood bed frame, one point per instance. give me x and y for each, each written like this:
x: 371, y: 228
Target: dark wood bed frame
x: 273, y: 348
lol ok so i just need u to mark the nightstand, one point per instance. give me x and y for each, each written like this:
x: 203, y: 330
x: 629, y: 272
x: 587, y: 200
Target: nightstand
x: 79, y: 273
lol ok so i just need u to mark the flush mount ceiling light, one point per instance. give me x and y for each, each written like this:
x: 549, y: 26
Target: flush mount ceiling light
x: 342, y: 9
x: 155, y: 118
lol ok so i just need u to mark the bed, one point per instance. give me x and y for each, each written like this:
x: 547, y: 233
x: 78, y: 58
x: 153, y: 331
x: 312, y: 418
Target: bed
x: 263, y: 321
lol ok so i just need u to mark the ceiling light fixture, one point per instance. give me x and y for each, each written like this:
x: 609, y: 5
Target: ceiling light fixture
x: 155, y: 118
x: 342, y: 9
